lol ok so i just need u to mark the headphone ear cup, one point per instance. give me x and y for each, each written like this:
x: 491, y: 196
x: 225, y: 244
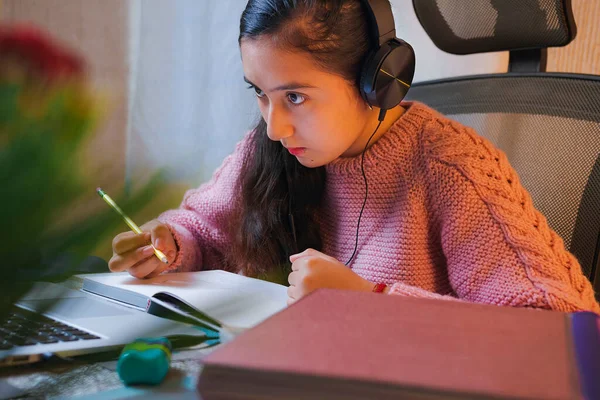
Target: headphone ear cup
x: 390, y: 74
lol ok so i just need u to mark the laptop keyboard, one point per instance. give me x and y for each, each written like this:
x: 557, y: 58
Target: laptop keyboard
x: 26, y: 328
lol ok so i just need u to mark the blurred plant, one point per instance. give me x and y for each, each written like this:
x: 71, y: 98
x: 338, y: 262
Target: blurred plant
x: 47, y: 109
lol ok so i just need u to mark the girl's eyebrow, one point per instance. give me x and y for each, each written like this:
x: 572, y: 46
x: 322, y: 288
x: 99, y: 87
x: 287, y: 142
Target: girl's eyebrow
x: 287, y: 86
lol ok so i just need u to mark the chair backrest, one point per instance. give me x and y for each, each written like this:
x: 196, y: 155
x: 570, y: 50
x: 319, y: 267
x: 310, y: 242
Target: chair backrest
x: 548, y: 124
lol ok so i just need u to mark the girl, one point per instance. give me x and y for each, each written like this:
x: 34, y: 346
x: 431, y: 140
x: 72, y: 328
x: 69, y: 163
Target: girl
x: 446, y: 215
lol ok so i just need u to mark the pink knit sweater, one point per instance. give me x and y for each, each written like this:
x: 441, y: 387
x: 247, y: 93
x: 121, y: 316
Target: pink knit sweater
x: 446, y: 218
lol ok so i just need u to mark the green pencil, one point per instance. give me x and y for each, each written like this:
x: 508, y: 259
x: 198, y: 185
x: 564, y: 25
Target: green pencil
x: 129, y: 222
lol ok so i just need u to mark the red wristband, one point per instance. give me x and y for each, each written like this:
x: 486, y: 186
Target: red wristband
x: 379, y: 287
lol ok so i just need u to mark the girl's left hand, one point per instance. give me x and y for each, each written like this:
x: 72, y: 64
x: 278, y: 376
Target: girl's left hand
x: 312, y: 270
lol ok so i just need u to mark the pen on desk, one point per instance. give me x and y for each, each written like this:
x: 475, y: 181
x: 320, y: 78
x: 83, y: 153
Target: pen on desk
x: 129, y: 222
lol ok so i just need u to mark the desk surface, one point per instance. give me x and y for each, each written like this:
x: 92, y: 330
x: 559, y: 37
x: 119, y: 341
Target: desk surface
x: 99, y: 380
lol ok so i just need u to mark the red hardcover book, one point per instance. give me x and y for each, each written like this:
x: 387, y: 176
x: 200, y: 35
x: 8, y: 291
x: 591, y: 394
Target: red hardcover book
x: 350, y: 345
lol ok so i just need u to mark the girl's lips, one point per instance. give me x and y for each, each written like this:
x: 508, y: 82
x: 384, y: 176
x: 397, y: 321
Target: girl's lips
x: 296, y: 151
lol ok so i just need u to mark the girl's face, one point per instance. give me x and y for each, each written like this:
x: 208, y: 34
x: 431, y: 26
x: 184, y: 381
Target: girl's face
x: 316, y: 115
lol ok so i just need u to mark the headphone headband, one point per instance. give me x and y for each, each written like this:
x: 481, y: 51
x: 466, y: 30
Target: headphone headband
x: 381, y: 20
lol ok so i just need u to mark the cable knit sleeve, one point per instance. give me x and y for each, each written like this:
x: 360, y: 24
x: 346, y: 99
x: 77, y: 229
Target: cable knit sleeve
x: 200, y: 224
x: 499, y: 249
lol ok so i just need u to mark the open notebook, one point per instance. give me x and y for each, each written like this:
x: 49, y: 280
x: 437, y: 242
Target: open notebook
x: 234, y: 300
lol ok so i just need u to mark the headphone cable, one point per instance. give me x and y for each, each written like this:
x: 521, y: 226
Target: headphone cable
x: 362, y: 169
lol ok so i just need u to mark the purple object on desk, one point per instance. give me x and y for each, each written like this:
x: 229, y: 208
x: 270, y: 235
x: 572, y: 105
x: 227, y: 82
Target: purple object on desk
x: 585, y: 327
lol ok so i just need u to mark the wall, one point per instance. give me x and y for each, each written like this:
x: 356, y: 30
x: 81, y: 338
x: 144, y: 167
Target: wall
x: 583, y: 54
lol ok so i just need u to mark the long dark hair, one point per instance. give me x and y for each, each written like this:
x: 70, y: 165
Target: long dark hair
x: 272, y: 184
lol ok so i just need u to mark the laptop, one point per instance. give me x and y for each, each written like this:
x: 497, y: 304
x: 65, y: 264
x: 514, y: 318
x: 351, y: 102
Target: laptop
x: 76, y: 323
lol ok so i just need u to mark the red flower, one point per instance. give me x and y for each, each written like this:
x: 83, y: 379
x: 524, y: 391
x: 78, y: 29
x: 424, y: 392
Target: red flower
x: 38, y: 53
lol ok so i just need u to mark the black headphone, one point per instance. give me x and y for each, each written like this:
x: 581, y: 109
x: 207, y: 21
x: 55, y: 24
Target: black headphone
x: 390, y: 66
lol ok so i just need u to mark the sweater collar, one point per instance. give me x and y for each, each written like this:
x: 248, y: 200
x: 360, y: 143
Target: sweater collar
x: 399, y: 134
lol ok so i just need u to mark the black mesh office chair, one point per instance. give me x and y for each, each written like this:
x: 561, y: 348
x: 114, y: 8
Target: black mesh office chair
x: 548, y: 124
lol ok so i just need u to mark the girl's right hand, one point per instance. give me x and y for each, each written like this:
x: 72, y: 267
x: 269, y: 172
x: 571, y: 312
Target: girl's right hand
x: 133, y: 252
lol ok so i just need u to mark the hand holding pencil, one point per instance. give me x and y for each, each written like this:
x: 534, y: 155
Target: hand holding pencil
x: 145, y: 251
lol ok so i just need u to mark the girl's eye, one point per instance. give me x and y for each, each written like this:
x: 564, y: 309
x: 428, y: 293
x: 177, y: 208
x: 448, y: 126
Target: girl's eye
x: 259, y: 93
x: 296, y: 99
